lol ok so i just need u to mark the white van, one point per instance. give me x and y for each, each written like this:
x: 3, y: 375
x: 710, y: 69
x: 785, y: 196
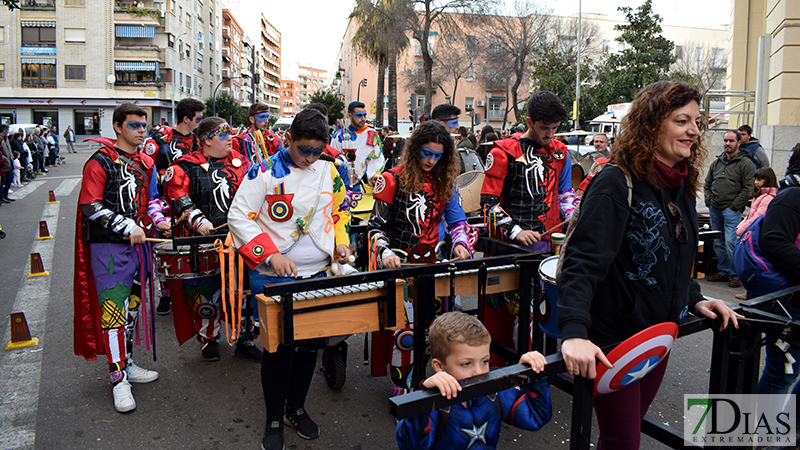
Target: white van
x: 25, y: 128
x: 282, y: 124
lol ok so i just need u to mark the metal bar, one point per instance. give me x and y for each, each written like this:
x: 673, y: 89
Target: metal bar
x: 524, y: 323
x: 287, y: 307
x: 423, y: 313
x: 582, y: 400
x: 189, y: 240
x: 664, y: 434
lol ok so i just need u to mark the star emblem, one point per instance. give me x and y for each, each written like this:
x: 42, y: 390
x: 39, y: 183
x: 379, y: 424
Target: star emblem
x: 475, y: 434
x: 644, y: 370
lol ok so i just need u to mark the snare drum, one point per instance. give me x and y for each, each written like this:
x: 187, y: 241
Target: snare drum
x: 176, y: 264
x: 548, y: 303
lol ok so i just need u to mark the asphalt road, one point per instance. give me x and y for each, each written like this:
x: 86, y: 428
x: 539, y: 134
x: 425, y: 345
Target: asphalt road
x: 52, y: 399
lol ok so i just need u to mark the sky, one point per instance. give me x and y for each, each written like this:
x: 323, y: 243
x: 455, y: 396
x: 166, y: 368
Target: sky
x: 312, y: 30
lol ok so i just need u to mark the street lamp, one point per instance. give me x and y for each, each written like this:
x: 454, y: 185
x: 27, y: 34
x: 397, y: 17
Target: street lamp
x: 363, y: 82
x: 214, y: 95
x: 174, y: 43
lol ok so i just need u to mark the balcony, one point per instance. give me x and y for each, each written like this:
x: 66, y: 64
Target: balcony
x: 154, y: 84
x: 140, y: 16
x: 37, y: 5
x: 496, y: 115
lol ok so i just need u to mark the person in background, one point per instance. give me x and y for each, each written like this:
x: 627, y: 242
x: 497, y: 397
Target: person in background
x: 174, y: 142
x: 448, y: 115
x: 69, y: 138
x: 464, y: 142
x: 635, y: 271
x: 17, y: 168
x: 753, y: 148
x: 257, y: 143
x: 765, y: 186
x: 600, y: 142
x: 8, y: 165
x: 55, y: 149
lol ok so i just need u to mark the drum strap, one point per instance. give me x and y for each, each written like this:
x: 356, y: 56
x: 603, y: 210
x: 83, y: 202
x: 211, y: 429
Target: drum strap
x: 235, y: 292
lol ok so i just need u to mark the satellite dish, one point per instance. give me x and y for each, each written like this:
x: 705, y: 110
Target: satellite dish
x: 111, y: 78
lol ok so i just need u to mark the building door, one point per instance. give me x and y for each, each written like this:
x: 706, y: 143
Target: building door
x: 86, y: 122
x: 47, y: 117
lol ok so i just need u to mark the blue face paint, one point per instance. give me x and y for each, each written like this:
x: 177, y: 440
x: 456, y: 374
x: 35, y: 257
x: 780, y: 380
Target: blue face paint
x: 135, y: 125
x: 429, y: 153
x: 261, y: 117
x: 198, y: 119
x: 224, y: 136
x: 450, y: 123
x: 360, y: 115
x: 307, y: 151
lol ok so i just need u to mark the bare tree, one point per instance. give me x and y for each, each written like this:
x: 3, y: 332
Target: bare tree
x: 431, y: 15
x: 453, y: 61
x: 700, y: 65
x: 510, y: 36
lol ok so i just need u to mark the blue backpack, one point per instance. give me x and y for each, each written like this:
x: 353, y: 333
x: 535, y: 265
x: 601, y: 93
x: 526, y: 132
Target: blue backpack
x: 755, y: 272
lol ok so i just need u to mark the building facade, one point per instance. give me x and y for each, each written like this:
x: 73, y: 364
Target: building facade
x: 290, y: 98
x: 232, y: 49
x: 489, y: 105
x: 765, y: 59
x: 59, y: 68
x: 311, y: 80
x: 269, y: 67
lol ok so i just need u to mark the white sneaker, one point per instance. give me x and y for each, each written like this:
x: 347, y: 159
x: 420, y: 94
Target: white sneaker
x: 123, y: 398
x: 138, y: 375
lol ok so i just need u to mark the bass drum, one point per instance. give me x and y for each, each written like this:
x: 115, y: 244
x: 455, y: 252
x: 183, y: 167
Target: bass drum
x: 581, y: 165
x: 469, y: 186
x: 470, y: 161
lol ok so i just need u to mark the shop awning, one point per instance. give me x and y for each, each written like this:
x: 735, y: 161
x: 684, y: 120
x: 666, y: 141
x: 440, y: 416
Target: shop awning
x: 131, y: 31
x: 38, y: 60
x: 135, y: 66
x: 37, y: 23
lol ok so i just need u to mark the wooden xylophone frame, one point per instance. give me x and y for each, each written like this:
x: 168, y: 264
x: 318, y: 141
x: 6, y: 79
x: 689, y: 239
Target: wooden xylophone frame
x: 735, y: 363
x: 423, y: 288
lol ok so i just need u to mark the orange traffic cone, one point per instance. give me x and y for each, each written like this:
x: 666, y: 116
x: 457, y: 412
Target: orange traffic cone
x: 37, y: 266
x: 52, y: 196
x: 44, y: 233
x: 20, y: 333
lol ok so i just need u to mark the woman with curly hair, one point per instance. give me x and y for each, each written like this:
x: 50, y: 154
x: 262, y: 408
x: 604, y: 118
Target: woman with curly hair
x: 411, y: 200
x: 633, y: 270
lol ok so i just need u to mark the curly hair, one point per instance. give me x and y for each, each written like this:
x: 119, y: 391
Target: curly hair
x: 794, y: 161
x: 208, y: 123
x: 445, y: 171
x: 637, y: 141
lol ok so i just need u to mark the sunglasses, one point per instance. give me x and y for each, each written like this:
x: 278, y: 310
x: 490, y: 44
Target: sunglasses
x: 450, y: 123
x: 360, y: 115
x: 307, y: 151
x: 680, y: 230
x: 135, y: 125
x: 428, y: 153
x: 198, y: 119
x: 260, y: 117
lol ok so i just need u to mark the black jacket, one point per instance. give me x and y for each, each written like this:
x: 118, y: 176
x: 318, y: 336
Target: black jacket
x: 779, y: 231
x: 624, y: 268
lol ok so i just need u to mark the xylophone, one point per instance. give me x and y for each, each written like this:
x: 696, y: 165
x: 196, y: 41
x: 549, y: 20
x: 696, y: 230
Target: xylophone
x: 309, y: 314
x: 499, y: 279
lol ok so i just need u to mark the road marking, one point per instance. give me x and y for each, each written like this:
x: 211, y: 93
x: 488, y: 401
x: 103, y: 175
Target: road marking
x: 63, y: 177
x: 66, y: 187
x: 21, y: 369
x: 23, y: 192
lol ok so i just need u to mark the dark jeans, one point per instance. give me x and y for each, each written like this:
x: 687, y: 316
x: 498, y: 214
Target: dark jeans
x: 8, y: 177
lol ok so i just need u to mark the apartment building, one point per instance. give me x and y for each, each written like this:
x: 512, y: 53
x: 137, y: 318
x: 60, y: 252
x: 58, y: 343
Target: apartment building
x: 311, y: 80
x: 268, y: 61
x: 290, y: 98
x: 232, y: 48
x: 71, y: 62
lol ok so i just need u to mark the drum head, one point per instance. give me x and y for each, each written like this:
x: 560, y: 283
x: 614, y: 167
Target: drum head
x: 163, y: 247
x: 469, y: 188
x: 547, y: 270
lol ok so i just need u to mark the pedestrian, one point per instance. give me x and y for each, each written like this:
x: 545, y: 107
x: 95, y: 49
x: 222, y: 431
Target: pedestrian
x: 17, y: 168
x: 108, y: 250
x: 635, y: 270
x: 765, y: 186
x: 69, y: 137
x: 464, y: 141
x: 727, y: 191
x: 277, y: 251
x: 8, y: 165
x: 752, y: 146
x: 55, y: 146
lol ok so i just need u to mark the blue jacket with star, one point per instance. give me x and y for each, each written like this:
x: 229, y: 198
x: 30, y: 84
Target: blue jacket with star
x: 477, y: 427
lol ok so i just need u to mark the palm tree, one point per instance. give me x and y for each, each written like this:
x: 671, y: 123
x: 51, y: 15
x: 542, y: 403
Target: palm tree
x: 380, y: 38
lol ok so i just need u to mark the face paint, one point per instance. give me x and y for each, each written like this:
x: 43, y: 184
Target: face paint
x: 260, y: 117
x: 307, y: 151
x: 224, y: 136
x: 134, y: 125
x: 198, y: 119
x: 450, y: 123
x: 360, y: 115
x: 428, y: 153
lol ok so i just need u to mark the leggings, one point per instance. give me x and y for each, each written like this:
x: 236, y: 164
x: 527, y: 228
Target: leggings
x: 285, y: 377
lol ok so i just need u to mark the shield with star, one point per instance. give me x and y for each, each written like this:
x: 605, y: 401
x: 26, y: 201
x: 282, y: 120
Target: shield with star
x: 635, y: 357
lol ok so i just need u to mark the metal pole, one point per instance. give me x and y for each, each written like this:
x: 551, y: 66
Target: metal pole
x: 578, y: 78
x: 214, y: 95
x: 173, y: 75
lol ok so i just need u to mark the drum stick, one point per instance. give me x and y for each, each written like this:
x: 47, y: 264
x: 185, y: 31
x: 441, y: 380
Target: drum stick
x: 554, y: 228
x: 217, y: 228
x: 150, y: 239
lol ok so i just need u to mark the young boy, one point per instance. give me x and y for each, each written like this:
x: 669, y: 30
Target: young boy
x: 460, y: 349
x: 289, y: 221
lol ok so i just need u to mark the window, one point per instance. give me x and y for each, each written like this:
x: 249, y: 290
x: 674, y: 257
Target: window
x: 2, y: 34
x: 698, y: 53
x: 385, y: 102
x: 469, y: 104
x: 36, y: 35
x: 472, y: 43
x: 39, y: 74
x: 679, y: 51
x: 621, y: 47
x: 170, y: 41
x: 718, y: 58
x: 2, y: 71
x: 606, y: 46
x: 188, y: 81
x: 74, y: 2
x: 75, y: 72
x: 470, y: 74
x: 74, y: 34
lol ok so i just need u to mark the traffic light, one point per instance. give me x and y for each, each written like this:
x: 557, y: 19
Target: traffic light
x: 412, y: 116
x: 101, y: 112
x: 363, y: 82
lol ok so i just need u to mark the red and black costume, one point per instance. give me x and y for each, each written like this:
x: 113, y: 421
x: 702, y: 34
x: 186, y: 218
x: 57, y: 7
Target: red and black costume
x: 113, y: 197
x: 201, y: 189
x: 172, y: 144
x: 253, y: 143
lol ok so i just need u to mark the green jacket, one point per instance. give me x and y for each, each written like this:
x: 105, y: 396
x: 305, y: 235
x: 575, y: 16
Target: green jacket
x: 728, y: 183
x: 466, y: 143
